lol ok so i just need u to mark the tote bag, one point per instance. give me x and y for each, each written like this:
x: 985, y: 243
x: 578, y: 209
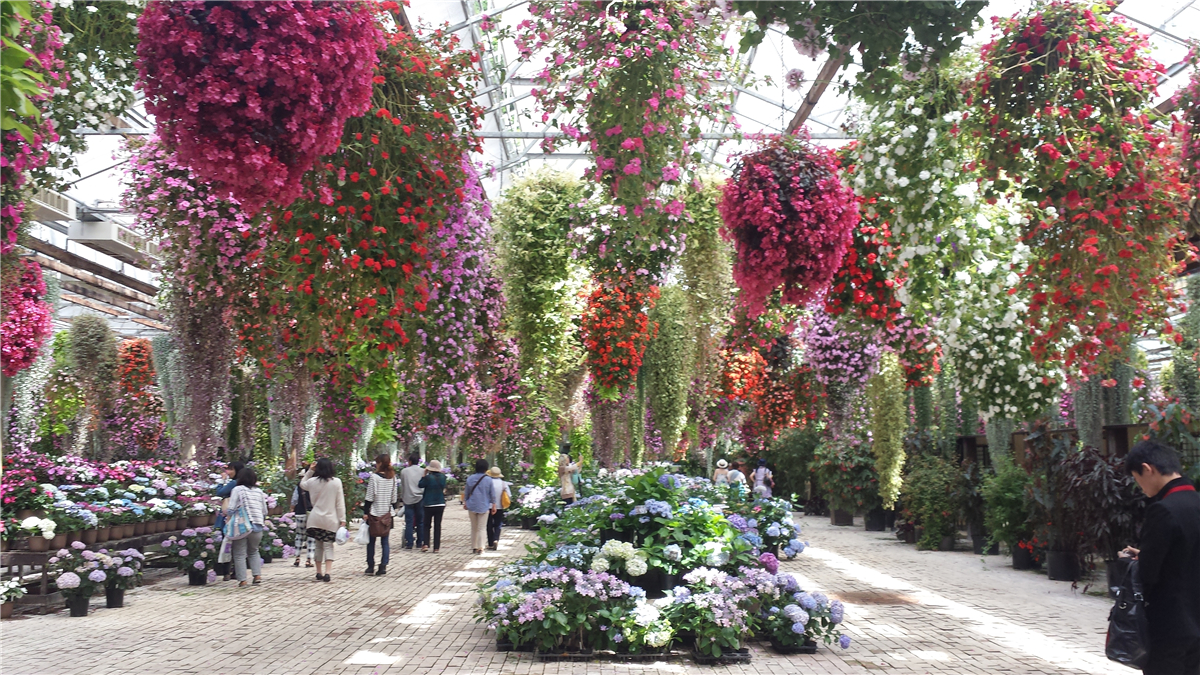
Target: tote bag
x: 1128, y: 640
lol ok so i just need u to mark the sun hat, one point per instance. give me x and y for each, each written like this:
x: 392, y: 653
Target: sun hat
x: 494, y: 472
x: 434, y: 465
x: 721, y: 464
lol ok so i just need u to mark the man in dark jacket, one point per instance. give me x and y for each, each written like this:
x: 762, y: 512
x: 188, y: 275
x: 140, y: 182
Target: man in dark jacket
x: 1169, y: 559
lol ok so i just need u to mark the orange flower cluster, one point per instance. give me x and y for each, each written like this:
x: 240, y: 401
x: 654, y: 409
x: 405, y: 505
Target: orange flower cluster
x: 135, y: 368
x: 744, y: 375
x: 616, y: 330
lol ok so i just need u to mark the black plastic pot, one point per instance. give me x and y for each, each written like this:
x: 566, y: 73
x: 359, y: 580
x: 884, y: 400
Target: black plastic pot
x: 979, y: 546
x: 841, y: 518
x: 527, y: 523
x: 875, y: 520
x: 1115, y: 571
x: 197, y: 577
x: 1062, y: 566
x: 889, y: 519
x: 114, y: 597
x: 1023, y: 559
x: 947, y: 543
x: 78, y: 605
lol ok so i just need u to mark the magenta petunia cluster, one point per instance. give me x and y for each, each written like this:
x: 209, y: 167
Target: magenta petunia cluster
x: 27, y: 318
x: 252, y: 93
x: 790, y: 218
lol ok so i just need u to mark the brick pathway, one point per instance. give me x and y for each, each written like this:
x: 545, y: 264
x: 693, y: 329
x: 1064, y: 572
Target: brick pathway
x: 907, y: 611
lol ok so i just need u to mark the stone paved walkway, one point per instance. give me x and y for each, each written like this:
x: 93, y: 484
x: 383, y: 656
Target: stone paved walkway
x: 907, y: 611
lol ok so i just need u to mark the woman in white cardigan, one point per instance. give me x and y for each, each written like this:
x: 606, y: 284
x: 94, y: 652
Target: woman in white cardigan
x: 328, y: 511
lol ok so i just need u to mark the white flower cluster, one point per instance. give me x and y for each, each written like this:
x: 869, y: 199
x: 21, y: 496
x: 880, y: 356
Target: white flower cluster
x: 613, y: 551
x: 44, y: 526
x: 983, y: 326
x: 11, y: 589
x: 912, y: 161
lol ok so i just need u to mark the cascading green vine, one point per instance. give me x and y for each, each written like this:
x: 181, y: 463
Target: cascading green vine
x: 1185, y: 356
x: 93, y: 354
x: 885, y: 398
x: 545, y: 455
x: 541, y: 282
x: 669, y: 365
x: 1089, y: 421
x: 999, y: 436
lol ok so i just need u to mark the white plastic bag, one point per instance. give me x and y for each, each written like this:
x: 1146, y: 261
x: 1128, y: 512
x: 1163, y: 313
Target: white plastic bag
x: 343, y: 535
x: 364, y: 535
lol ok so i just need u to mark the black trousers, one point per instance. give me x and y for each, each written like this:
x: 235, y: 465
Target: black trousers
x: 433, y: 522
x: 1174, y: 657
x: 495, y: 522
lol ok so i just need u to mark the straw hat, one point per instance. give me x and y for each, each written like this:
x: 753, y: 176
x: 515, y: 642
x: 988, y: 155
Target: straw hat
x: 434, y: 465
x: 721, y: 464
x: 494, y: 472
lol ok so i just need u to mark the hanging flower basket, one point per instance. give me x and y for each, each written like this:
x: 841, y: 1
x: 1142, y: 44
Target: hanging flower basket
x: 251, y: 93
x: 790, y: 218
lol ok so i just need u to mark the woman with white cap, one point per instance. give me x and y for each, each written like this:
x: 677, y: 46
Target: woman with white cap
x: 503, y: 499
x: 434, y: 501
x: 721, y: 475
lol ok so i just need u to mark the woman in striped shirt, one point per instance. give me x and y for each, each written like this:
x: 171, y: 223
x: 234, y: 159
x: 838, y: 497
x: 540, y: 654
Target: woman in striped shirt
x: 378, y: 506
x: 249, y: 495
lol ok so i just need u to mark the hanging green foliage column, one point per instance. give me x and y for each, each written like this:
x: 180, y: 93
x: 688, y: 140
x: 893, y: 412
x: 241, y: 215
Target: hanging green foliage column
x: 885, y: 398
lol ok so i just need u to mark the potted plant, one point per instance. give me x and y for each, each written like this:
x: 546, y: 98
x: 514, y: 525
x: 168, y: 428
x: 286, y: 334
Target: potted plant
x: 271, y: 546
x: 1104, y: 503
x: 845, y: 471
x: 711, y: 611
x: 77, y: 573
x: 40, y: 532
x: 124, y: 572
x: 10, y: 591
x: 971, y: 504
x: 929, y: 491
x: 1007, y: 512
x: 194, y: 551
x: 1050, y: 456
x: 798, y: 621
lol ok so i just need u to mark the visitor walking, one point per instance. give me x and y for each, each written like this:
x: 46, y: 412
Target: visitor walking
x: 764, y: 481
x: 721, y: 475
x: 225, y: 489
x: 1169, y: 559
x: 503, y: 499
x: 479, y: 499
x: 378, y: 507
x: 568, y: 473
x: 247, y: 494
x: 301, y: 505
x: 411, y: 493
x: 433, y: 502
x: 328, y: 511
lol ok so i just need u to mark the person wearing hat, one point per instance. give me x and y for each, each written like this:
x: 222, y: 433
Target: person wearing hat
x: 721, y: 475
x: 503, y: 499
x: 434, y: 501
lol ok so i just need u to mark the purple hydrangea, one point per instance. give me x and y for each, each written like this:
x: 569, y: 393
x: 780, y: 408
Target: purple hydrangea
x: 125, y: 571
x: 188, y: 533
x: 183, y: 552
x: 769, y: 562
x: 68, y: 580
x: 798, y: 628
x: 738, y: 522
x: 78, y: 545
x: 844, y: 641
x: 212, y: 576
x: 616, y: 516
x: 199, y: 564
x: 837, y: 611
x: 98, y: 576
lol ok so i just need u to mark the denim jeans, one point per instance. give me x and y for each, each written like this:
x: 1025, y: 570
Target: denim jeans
x: 432, y: 532
x: 387, y: 551
x: 247, y: 547
x: 495, y: 521
x: 414, y: 522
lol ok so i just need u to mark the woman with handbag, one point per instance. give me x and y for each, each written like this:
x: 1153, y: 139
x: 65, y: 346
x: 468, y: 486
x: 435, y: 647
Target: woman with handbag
x: 378, y: 506
x: 479, y: 499
x: 433, y: 499
x: 223, y: 491
x: 328, y: 512
x: 301, y: 505
x: 246, y: 495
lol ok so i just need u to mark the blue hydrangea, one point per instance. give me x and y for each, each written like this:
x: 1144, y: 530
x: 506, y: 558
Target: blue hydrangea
x: 837, y: 611
x: 806, y: 601
x: 752, y: 539
x: 844, y: 641
x: 738, y: 522
x: 753, y: 523
x: 658, y: 508
x: 637, y: 592
x: 773, y: 530
x: 798, y: 628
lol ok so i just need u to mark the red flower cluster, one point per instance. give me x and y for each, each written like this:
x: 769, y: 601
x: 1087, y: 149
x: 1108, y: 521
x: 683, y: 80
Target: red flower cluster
x: 1061, y: 102
x: 790, y: 217
x: 26, y: 323
x: 616, y: 330
x: 135, y: 368
x: 744, y: 375
x: 251, y: 93
x: 861, y: 285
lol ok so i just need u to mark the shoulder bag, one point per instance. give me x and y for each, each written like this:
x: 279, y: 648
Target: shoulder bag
x: 381, y: 526
x: 1128, y: 641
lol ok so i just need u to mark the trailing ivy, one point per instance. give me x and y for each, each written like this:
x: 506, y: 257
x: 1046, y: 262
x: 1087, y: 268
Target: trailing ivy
x: 885, y: 399
x: 669, y: 365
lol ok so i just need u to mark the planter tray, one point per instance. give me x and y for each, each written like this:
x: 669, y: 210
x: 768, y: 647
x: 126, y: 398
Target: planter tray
x: 551, y: 657
x: 806, y: 648
x: 647, y: 657
x: 726, y: 658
